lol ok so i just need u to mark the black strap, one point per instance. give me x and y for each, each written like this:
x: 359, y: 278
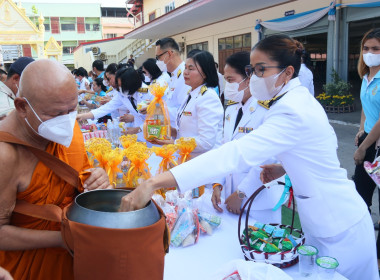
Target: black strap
x: 132, y: 102
x: 238, y: 118
x: 184, y: 107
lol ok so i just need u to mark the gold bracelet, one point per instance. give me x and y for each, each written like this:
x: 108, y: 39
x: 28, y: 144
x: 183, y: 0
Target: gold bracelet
x: 217, y: 185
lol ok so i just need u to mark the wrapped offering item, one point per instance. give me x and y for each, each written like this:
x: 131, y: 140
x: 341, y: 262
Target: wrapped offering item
x: 208, y: 222
x: 138, y: 172
x: 186, y: 229
x: 127, y: 140
x: 168, y: 161
x: 97, y: 148
x: 113, y: 159
x: 142, y: 105
x: 185, y: 146
x: 157, y: 122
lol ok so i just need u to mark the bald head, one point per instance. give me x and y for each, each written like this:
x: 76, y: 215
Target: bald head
x: 47, y: 79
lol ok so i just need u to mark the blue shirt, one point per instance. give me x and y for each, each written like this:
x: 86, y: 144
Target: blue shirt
x: 370, y: 98
x: 101, y: 75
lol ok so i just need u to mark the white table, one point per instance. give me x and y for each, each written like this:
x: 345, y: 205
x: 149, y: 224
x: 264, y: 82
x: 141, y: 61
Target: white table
x: 211, y: 252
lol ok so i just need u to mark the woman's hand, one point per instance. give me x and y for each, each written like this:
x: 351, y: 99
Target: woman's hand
x: 215, y: 199
x: 233, y: 203
x: 127, y: 118
x: 138, y: 198
x: 358, y: 135
x: 132, y: 130
x: 359, y: 156
x: 271, y: 172
x: 105, y: 99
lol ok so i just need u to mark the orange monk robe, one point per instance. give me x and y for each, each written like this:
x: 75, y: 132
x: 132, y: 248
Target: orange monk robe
x: 46, y: 188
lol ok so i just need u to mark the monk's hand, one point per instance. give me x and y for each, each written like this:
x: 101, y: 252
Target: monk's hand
x: 271, y: 172
x: 97, y: 180
x: 4, y: 275
x: 138, y: 198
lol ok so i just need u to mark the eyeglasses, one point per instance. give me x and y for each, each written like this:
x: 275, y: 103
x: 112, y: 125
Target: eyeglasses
x: 258, y: 69
x: 158, y: 56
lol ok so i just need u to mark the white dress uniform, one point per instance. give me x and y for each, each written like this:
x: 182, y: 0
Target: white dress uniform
x: 176, y: 93
x: 248, y: 181
x: 163, y: 79
x: 83, y: 83
x: 306, y: 78
x: 122, y: 101
x: 297, y: 132
x: 201, y: 117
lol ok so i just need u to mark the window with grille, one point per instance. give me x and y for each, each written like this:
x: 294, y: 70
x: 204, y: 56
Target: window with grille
x: 169, y: 7
x: 200, y: 46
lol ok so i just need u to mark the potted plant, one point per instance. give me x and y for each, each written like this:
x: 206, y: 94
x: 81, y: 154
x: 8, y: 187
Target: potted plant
x: 336, y: 97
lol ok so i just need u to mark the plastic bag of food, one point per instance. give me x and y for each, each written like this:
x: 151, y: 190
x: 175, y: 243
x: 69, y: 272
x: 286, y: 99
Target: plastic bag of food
x: 186, y: 229
x: 157, y: 121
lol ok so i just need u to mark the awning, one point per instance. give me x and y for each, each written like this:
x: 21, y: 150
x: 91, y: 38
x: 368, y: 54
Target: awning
x: 196, y: 14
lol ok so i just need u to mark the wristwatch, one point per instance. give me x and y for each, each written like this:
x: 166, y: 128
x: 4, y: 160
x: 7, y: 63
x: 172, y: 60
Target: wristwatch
x: 241, y: 194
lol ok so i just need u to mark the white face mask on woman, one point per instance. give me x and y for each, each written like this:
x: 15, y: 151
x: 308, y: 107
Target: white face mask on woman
x: 231, y: 91
x: 58, y: 129
x: 147, y: 79
x: 371, y: 59
x: 264, y: 88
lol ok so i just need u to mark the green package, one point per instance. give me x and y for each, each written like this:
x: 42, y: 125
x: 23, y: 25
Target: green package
x: 154, y: 131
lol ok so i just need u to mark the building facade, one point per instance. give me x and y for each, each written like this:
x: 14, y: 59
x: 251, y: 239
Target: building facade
x: 115, y: 22
x: 69, y: 25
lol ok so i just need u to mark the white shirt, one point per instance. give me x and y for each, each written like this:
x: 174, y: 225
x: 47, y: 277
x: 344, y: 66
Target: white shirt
x: 176, y: 93
x: 306, y: 78
x: 84, y: 83
x: 202, y: 119
x: 6, y: 100
x: 248, y: 181
x: 121, y: 101
x: 163, y: 79
x: 301, y: 138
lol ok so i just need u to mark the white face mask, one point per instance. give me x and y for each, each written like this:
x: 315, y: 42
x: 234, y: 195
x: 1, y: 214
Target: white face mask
x: 162, y: 65
x: 105, y: 83
x: 371, y: 59
x: 264, y: 88
x: 147, y: 79
x: 120, y: 90
x: 231, y: 91
x: 58, y: 129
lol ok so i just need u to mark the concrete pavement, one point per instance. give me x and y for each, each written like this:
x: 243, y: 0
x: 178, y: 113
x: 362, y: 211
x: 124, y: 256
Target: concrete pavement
x: 346, y: 125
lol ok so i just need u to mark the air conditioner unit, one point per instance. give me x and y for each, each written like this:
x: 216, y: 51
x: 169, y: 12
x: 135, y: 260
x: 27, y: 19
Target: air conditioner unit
x: 103, y: 56
x: 95, y: 50
x: 181, y: 46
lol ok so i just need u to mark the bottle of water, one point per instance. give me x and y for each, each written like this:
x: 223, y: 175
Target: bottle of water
x: 109, y: 130
x: 120, y: 183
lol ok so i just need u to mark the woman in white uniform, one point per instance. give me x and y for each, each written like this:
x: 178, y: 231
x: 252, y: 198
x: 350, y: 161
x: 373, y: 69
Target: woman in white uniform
x: 201, y: 115
x: 242, y: 116
x: 153, y: 74
x: 132, y: 91
x: 333, y: 216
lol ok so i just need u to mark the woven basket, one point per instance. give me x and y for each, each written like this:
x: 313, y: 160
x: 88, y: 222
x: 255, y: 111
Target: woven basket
x: 280, y: 259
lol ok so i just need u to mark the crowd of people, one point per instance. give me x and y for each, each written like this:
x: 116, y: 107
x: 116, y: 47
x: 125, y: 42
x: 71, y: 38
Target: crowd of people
x: 251, y: 126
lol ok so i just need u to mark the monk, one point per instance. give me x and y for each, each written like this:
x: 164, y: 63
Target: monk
x: 45, y: 116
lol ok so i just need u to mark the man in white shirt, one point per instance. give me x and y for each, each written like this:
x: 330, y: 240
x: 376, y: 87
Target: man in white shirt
x: 169, y: 60
x: 9, y: 88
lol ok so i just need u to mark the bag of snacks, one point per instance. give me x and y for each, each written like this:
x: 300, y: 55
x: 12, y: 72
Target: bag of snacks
x: 157, y: 122
x: 186, y: 229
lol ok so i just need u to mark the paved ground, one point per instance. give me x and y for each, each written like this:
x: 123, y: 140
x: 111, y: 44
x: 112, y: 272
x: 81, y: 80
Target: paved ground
x: 346, y: 126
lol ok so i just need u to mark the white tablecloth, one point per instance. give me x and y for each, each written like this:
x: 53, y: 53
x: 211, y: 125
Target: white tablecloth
x: 206, y: 257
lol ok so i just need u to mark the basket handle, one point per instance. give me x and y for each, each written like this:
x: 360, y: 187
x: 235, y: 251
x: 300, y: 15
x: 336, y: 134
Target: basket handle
x: 249, y: 204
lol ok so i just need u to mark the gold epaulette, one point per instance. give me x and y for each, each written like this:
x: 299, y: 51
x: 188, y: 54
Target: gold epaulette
x: 179, y: 73
x: 268, y: 103
x: 143, y: 90
x: 203, y: 89
x: 230, y: 102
